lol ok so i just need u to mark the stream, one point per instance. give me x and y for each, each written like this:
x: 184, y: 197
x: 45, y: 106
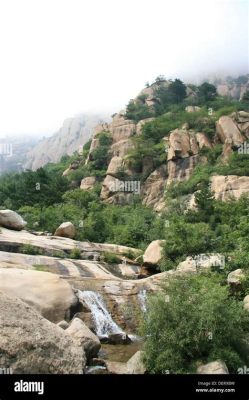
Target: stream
x: 104, y: 326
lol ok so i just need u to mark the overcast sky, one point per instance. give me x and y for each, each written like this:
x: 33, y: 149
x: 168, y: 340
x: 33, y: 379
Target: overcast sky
x: 63, y: 57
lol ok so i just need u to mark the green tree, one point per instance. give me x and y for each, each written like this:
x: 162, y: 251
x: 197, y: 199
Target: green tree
x: 207, y: 92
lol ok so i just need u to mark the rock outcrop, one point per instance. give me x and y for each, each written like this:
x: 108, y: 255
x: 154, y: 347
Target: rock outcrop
x: 66, y: 229
x: 154, y: 187
x: 214, y: 367
x: 228, y: 131
x: 88, y: 183
x: 153, y: 253
x: 229, y: 187
x: 30, y: 344
x: 10, y: 219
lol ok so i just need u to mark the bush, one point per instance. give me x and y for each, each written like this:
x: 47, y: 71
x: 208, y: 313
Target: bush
x: 111, y: 258
x: 75, y: 253
x: 197, y: 322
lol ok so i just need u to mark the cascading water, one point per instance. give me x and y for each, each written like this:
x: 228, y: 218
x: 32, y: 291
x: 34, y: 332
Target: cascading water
x: 142, y: 298
x: 104, y: 324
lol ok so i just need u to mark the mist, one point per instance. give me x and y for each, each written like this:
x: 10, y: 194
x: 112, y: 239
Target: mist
x: 60, y: 58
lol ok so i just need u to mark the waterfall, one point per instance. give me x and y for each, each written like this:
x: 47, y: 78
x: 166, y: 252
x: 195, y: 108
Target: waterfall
x: 142, y: 298
x: 103, y: 322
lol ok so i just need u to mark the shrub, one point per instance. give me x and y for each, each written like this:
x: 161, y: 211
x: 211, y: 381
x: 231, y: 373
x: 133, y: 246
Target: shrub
x: 197, y: 322
x: 111, y: 258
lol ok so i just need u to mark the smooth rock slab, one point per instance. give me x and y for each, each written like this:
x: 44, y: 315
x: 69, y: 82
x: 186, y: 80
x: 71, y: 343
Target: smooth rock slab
x: 50, y: 295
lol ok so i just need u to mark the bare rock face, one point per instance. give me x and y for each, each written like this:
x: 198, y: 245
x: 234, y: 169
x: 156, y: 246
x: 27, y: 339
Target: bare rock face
x: 181, y: 169
x: 67, y: 229
x: 228, y: 131
x: 230, y: 186
x: 214, y: 367
x: 31, y: 344
x: 153, y: 189
x: 10, y: 219
x: 88, y: 183
x: 84, y: 337
x: 121, y: 128
x: 74, y: 133
x: 153, y: 253
x: 50, y: 295
x: 203, y: 140
x: 122, y: 147
x: 179, y: 142
x: 192, y: 108
x: 114, y: 166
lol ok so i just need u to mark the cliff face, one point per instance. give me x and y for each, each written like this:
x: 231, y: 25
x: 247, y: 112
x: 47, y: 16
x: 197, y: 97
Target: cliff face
x: 183, y: 147
x: 74, y: 133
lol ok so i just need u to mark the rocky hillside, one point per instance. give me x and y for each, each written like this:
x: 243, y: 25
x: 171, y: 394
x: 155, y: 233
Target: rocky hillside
x: 143, y: 233
x: 73, y: 134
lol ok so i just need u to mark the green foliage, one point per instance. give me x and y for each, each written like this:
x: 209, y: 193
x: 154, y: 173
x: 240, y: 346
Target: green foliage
x: 32, y: 188
x: 193, y: 321
x: 75, y: 253
x: 137, y: 110
x: 111, y: 258
x: 29, y: 249
x: 207, y: 92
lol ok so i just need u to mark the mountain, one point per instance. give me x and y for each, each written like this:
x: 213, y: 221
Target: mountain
x: 73, y: 134
x: 13, y: 152
x: 146, y: 227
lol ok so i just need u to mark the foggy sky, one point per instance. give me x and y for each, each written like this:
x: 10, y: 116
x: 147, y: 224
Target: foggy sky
x: 63, y: 57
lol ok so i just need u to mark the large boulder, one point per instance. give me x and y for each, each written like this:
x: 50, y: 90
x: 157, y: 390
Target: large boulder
x: 214, y: 367
x: 153, y: 253
x: 88, y: 183
x: 10, y: 219
x: 50, y: 295
x: 67, y: 229
x: 230, y: 186
x: 235, y: 278
x: 30, y: 344
x: 84, y: 337
x: 135, y: 364
x: 228, y: 131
